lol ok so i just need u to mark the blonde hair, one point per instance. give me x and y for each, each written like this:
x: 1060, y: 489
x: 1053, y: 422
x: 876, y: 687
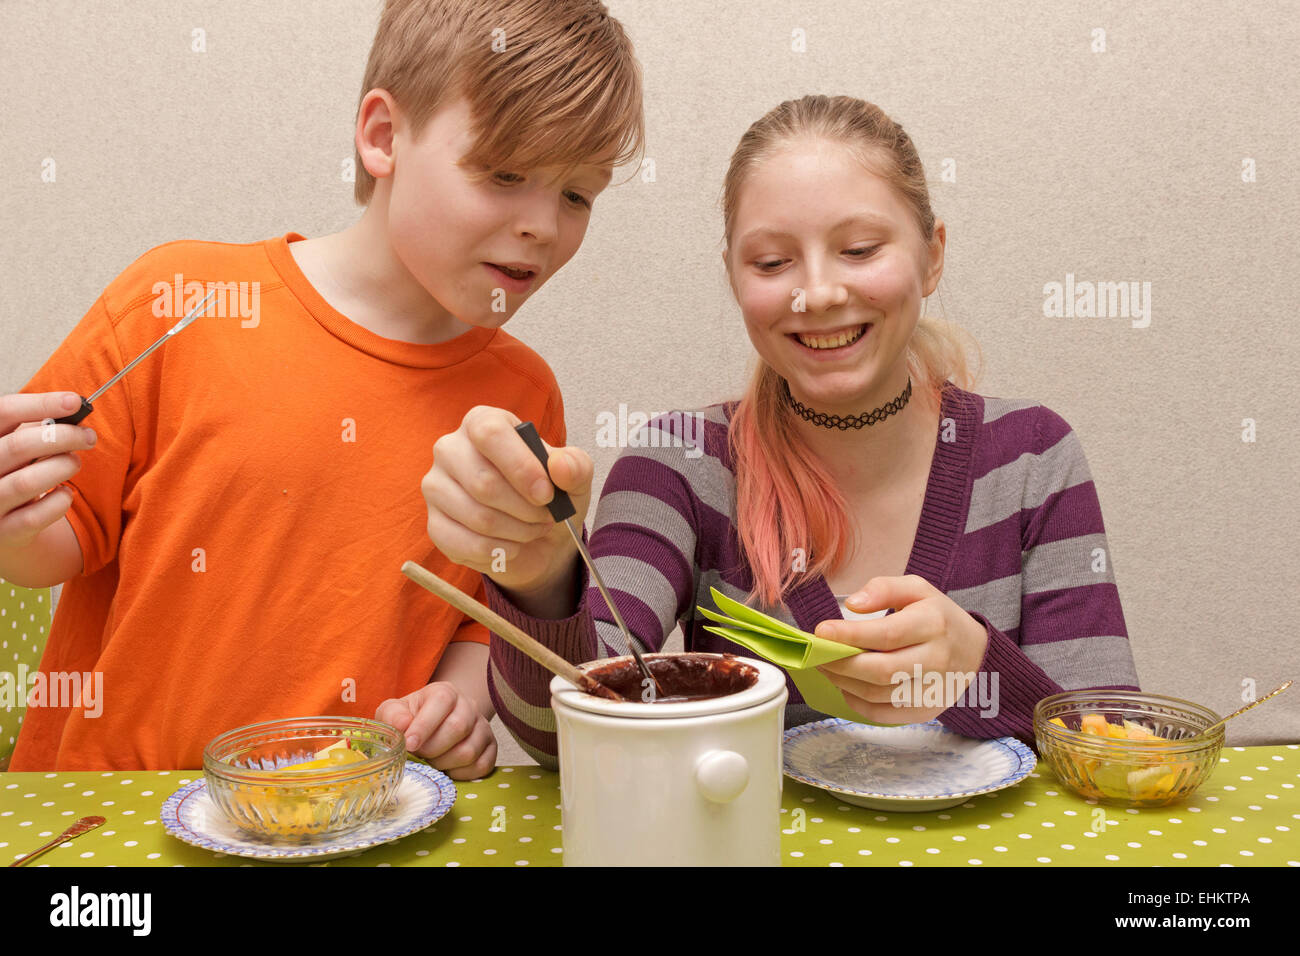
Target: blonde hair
x: 552, y: 83
x: 785, y: 497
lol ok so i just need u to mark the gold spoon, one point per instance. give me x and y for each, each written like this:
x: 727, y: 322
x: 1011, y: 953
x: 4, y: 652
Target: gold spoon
x: 1236, y: 713
x: 84, y: 825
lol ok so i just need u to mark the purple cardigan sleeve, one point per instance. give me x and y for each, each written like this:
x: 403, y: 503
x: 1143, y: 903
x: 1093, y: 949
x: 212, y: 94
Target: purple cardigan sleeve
x: 1071, y: 633
x: 519, y: 686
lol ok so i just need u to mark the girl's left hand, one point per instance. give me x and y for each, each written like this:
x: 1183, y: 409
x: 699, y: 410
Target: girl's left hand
x: 927, y: 630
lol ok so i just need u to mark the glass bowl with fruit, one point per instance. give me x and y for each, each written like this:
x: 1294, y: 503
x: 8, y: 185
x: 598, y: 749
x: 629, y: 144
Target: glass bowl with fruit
x: 305, y: 779
x: 1127, y: 748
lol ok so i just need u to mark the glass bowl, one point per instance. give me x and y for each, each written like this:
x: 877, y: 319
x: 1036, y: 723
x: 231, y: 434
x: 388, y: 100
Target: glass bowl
x: 1128, y: 772
x: 249, y: 777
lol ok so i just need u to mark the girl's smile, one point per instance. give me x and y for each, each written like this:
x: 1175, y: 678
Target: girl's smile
x: 828, y: 346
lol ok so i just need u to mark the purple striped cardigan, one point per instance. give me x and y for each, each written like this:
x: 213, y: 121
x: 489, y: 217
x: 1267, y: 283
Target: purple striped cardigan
x: 1011, y: 530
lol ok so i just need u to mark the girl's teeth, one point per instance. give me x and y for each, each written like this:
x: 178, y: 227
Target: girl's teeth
x: 514, y: 273
x: 832, y: 341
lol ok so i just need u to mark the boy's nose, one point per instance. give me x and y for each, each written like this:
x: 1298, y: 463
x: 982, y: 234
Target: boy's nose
x: 539, y: 219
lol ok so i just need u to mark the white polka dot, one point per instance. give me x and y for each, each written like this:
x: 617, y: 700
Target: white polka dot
x: 864, y: 853
x: 1112, y: 857
x: 904, y: 862
x: 796, y: 853
x: 931, y: 850
x: 452, y: 863
x: 975, y: 862
x: 1067, y: 846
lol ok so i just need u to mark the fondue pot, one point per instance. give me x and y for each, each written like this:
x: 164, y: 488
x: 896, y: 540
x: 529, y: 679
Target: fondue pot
x: 694, y: 782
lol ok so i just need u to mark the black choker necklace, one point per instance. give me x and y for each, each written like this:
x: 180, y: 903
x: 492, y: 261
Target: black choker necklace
x: 853, y: 421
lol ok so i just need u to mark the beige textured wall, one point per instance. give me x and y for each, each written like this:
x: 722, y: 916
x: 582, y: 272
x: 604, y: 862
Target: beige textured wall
x: 1122, y: 164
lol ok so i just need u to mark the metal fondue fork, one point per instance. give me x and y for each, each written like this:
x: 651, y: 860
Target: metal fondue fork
x: 561, y: 509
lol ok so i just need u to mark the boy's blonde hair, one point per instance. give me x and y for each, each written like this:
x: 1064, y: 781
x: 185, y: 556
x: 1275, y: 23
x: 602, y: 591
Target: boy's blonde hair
x: 549, y: 82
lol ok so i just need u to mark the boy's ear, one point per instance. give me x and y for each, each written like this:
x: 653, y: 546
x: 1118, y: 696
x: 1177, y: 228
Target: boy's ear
x: 376, y: 121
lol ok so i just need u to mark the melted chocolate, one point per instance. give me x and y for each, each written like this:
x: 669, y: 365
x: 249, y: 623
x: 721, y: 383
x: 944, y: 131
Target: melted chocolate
x: 681, y: 677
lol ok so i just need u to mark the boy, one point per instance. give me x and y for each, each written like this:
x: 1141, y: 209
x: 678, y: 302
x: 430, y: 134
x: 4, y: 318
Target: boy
x: 231, y: 541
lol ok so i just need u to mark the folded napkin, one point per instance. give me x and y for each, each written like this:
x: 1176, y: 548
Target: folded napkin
x: 798, y: 652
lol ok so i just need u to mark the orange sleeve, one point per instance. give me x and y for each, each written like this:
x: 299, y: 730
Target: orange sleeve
x: 85, y: 360
x: 552, y: 426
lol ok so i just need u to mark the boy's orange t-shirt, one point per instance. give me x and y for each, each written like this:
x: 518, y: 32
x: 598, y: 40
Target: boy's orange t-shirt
x: 245, y: 512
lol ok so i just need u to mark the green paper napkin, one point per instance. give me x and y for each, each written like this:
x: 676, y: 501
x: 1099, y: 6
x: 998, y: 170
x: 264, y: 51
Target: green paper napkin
x: 798, y: 652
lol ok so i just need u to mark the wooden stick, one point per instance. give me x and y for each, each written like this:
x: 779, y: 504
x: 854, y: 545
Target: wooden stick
x: 512, y: 635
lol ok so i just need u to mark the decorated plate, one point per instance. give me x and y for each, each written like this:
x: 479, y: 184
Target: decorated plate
x: 911, y: 768
x: 423, y: 797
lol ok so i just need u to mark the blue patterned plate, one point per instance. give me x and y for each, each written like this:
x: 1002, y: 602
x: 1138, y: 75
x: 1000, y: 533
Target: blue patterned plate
x: 424, y: 796
x: 910, y: 768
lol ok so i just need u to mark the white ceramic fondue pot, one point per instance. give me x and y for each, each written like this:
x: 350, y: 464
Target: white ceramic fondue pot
x: 687, y: 783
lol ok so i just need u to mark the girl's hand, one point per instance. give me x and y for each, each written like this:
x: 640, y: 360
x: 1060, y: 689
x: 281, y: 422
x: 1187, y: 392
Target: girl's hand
x: 443, y: 726
x: 486, y: 495
x: 927, y: 630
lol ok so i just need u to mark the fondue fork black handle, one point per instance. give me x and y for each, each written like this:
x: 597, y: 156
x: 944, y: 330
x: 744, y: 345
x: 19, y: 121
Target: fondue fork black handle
x: 562, y: 509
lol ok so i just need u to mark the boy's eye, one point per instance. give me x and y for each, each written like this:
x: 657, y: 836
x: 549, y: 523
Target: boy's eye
x: 578, y: 199
x: 861, y: 252
x: 771, y: 264
x: 509, y: 178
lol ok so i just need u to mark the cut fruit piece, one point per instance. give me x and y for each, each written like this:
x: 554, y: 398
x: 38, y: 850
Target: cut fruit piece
x: 1095, y: 724
x: 1138, y: 732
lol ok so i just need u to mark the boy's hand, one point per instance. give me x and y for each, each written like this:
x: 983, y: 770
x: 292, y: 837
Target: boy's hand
x: 486, y: 494
x: 34, y: 458
x: 443, y: 726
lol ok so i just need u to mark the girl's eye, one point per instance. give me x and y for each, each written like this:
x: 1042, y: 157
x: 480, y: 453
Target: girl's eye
x: 578, y: 199
x: 508, y: 178
x: 861, y: 252
x: 770, y: 265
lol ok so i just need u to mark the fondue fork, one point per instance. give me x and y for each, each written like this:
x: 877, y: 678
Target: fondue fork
x: 87, y: 404
x: 561, y: 509
x: 512, y: 635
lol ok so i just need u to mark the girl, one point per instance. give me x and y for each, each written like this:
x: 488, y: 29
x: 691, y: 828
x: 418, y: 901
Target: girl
x: 856, y: 474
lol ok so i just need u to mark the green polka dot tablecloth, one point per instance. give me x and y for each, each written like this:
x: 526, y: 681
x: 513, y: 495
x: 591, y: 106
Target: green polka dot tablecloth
x: 24, y: 625
x: 1247, y: 814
